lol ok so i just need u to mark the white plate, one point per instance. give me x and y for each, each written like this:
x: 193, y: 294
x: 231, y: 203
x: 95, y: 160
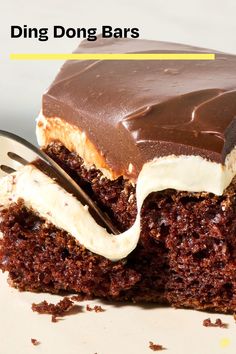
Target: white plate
x: 121, y: 329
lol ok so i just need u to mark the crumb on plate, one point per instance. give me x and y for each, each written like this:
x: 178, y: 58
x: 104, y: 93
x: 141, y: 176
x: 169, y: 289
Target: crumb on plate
x: 218, y: 323
x: 156, y: 347
x: 59, y: 309
x: 35, y: 341
x: 96, y: 308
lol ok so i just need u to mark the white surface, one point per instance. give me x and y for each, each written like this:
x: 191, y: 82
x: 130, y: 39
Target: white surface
x: 207, y: 23
x: 121, y: 329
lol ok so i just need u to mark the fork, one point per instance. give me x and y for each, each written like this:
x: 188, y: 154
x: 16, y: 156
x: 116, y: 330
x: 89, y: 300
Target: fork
x: 30, y: 154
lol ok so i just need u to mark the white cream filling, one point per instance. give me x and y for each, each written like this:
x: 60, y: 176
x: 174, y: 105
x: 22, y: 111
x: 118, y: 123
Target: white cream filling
x: 52, y: 202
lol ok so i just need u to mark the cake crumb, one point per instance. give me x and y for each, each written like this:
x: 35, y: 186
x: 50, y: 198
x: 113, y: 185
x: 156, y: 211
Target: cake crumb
x: 54, y: 318
x: 156, y: 347
x: 218, y: 323
x: 78, y: 298
x: 35, y: 341
x: 56, y: 310
x: 88, y: 308
x: 96, y: 308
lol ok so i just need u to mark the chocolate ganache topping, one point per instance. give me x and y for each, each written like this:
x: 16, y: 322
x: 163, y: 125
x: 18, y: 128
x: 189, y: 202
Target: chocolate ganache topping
x: 134, y: 111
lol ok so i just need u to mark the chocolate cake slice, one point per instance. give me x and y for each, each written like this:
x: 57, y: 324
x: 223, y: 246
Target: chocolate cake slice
x: 153, y: 143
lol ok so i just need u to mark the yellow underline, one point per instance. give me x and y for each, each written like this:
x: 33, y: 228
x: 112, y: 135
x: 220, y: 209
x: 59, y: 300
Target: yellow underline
x: 108, y: 56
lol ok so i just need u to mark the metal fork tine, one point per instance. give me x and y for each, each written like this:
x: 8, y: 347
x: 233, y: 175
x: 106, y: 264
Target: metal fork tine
x: 24, y: 147
x: 17, y: 158
x: 7, y: 169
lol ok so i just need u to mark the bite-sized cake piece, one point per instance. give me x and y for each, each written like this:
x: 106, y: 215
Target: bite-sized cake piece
x: 153, y: 143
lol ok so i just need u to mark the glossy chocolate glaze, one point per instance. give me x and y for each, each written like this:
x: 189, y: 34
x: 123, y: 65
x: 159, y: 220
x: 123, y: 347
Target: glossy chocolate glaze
x: 134, y: 111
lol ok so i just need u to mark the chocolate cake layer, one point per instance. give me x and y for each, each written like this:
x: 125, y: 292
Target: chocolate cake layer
x: 186, y: 255
x: 135, y: 111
